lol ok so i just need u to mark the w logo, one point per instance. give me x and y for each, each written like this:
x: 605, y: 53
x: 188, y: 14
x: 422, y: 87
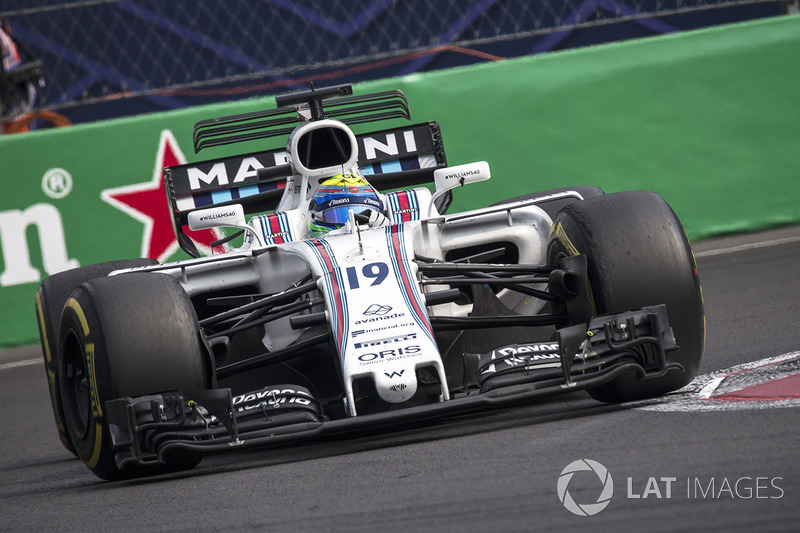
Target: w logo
x: 391, y: 375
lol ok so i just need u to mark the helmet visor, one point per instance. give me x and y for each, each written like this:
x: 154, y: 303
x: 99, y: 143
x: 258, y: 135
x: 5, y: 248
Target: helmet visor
x: 335, y: 211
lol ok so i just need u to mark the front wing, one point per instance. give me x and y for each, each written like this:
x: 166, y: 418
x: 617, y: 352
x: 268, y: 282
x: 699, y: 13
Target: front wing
x: 151, y: 429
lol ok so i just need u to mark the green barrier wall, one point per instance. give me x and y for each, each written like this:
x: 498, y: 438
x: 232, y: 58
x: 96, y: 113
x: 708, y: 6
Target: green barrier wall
x: 708, y: 119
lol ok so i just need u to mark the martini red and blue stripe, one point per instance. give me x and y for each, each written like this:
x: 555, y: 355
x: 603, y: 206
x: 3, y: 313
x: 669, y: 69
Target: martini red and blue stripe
x: 336, y: 295
x: 403, y: 275
x: 276, y: 228
x: 403, y: 206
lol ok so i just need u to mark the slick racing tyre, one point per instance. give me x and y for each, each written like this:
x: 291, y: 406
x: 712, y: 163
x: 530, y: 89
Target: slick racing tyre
x: 125, y: 335
x: 50, y: 299
x: 552, y: 207
x: 638, y: 255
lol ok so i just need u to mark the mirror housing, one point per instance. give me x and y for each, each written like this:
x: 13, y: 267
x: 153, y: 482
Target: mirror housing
x: 458, y: 176
x: 216, y: 217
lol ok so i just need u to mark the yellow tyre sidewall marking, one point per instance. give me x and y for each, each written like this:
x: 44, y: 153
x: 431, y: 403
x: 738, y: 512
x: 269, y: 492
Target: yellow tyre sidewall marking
x: 48, y: 357
x: 558, y: 229
x: 562, y: 236
x: 51, y: 375
x: 73, y: 304
x: 92, y: 375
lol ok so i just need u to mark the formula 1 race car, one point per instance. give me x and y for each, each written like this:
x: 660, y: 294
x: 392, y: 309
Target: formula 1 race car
x: 354, y: 302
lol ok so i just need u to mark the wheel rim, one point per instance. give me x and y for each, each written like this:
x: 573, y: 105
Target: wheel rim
x: 76, y: 385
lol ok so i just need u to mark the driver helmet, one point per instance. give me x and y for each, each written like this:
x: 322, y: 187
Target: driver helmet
x: 338, y: 195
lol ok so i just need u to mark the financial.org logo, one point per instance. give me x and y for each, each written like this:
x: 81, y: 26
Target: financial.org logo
x: 377, y: 309
x: 585, y: 509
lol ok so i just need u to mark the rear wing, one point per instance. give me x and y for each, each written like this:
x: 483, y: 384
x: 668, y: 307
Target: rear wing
x: 390, y: 159
x: 335, y: 102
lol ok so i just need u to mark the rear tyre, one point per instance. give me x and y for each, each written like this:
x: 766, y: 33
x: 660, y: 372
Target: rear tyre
x: 50, y: 299
x: 638, y: 255
x: 124, y: 335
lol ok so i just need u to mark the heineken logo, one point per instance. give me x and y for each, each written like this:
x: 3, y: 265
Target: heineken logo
x: 146, y: 202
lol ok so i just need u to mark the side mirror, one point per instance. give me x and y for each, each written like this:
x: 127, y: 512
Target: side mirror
x: 216, y: 217
x: 457, y: 176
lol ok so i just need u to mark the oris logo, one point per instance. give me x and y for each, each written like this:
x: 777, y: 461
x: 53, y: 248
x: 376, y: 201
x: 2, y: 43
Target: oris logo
x: 389, y: 354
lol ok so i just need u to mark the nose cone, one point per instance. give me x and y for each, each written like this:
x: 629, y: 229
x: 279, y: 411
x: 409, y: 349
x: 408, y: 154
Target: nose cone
x: 396, y: 384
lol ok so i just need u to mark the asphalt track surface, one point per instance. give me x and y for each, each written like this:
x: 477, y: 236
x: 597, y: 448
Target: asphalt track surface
x: 676, y: 464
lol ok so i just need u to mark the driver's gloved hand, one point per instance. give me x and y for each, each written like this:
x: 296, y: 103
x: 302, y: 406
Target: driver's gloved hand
x: 371, y: 217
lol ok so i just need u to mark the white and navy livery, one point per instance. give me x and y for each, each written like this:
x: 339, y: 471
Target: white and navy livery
x: 411, y: 315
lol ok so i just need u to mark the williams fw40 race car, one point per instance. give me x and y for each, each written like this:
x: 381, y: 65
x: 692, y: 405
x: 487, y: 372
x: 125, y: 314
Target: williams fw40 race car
x: 355, y: 301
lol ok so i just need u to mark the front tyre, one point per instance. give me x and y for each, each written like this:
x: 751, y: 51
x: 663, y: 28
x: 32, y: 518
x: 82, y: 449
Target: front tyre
x: 124, y: 335
x: 50, y: 300
x: 638, y: 255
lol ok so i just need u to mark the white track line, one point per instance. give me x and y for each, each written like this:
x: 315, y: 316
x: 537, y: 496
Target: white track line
x: 742, y: 247
x: 26, y: 362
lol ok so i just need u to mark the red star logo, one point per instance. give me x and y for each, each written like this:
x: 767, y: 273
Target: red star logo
x: 147, y: 202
